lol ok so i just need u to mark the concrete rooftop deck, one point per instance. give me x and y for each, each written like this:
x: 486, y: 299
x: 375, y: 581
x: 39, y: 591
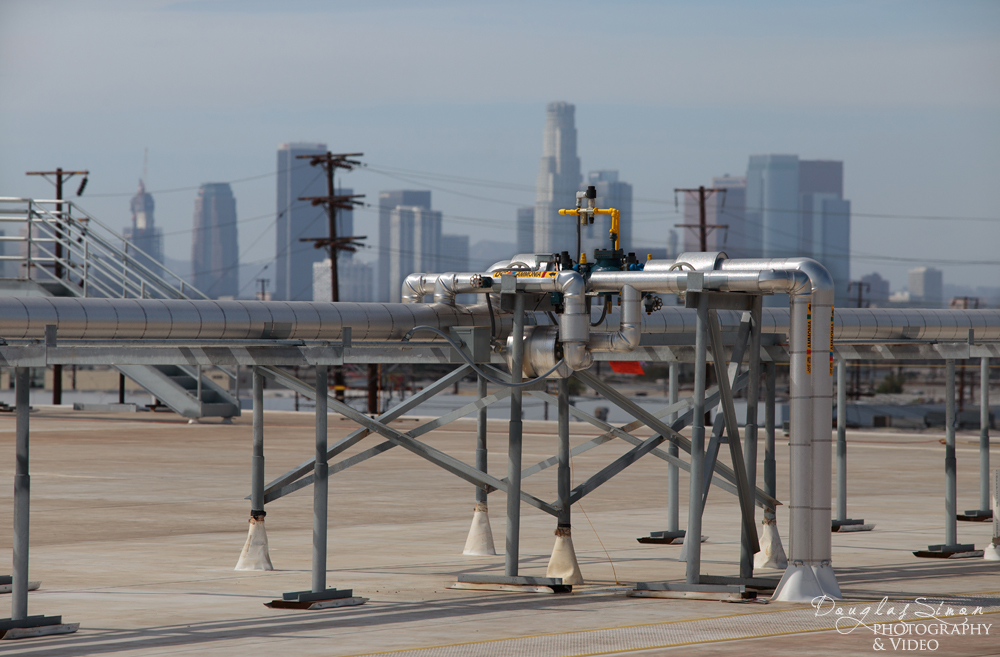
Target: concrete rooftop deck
x: 137, y: 521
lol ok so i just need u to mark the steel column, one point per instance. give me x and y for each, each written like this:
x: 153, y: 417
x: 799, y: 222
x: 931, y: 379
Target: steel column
x: 481, y: 453
x: 257, y: 460
x: 800, y: 472
x: 673, y: 473
x: 841, y: 439
x: 514, y: 442
x: 750, y: 430
x: 692, y: 540
x: 22, y: 496
x: 320, y: 485
x: 950, y: 487
x: 770, y: 469
x: 563, y: 472
x: 984, y: 434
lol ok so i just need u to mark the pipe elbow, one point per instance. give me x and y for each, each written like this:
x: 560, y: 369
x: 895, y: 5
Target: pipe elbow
x: 445, y: 288
x: 414, y: 288
x: 577, y: 356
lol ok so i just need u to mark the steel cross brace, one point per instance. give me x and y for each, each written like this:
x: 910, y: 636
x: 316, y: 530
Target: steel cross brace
x: 612, y: 395
x: 277, y: 488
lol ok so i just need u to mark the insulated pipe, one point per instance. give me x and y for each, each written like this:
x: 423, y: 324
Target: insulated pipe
x: 984, y: 433
x: 22, y: 495
x: 574, y: 322
x: 800, y: 437
x: 627, y: 337
x: 448, y: 286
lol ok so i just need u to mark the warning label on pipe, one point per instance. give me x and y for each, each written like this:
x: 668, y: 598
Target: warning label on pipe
x: 809, y: 338
x: 527, y: 274
x: 831, y: 340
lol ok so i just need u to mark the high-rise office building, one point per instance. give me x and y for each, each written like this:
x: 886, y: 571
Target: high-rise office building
x: 798, y: 209
x: 387, y: 202
x: 526, y: 230
x: 558, y: 181
x: 453, y: 254
x: 876, y: 292
x: 355, y: 280
x: 726, y: 210
x: 927, y: 287
x: 215, y: 253
x: 611, y: 193
x: 142, y: 231
x: 298, y: 219
x: 415, y: 244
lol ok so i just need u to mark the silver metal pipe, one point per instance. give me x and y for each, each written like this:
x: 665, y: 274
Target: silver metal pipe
x: 984, y: 434
x: 950, y: 474
x: 673, y: 472
x: 514, y: 443
x: 22, y: 495
x: 320, y: 484
x: 800, y: 441
x: 842, y: 439
x: 257, y: 460
x: 692, y: 539
x: 627, y: 337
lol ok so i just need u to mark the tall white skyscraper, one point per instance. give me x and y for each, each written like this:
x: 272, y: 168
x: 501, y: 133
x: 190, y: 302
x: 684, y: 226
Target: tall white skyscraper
x: 387, y: 202
x: 142, y: 230
x: 215, y: 243
x: 558, y: 181
x: 297, y: 219
x: 355, y: 280
x: 415, y: 244
x: 927, y: 287
x: 798, y: 209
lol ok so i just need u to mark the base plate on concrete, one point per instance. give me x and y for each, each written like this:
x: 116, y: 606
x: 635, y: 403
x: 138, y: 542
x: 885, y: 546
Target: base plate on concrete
x: 512, y: 584
x: 975, y: 516
x: 685, y: 591
x: 758, y: 583
x: 316, y: 604
x: 957, y: 551
x: 33, y: 626
x: 850, y: 525
x: 7, y: 584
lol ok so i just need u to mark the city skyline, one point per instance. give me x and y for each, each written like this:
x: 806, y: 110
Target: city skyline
x: 899, y: 96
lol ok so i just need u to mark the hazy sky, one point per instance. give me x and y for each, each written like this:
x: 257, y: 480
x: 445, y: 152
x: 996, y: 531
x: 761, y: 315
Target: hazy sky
x: 907, y: 94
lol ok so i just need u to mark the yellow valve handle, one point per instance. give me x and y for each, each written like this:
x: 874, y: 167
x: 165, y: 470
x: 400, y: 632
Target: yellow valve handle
x: 615, y: 217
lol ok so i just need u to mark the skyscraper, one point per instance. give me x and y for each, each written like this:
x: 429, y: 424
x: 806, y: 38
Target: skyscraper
x: 927, y: 287
x: 355, y: 280
x: 558, y: 181
x: 726, y: 210
x: 387, y: 202
x: 297, y: 219
x: 415, y: 245
x: 798, y: 209
x: 215, y: 262
x: 611, y: 193
x: 454, y: 254
x: 143, y: 232
x: 526, y: 230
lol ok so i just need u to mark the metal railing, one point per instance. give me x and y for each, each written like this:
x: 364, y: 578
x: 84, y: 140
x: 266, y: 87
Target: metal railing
x: 87, y: 258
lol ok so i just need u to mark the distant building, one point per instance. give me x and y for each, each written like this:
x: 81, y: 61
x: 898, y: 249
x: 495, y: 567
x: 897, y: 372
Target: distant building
x: 214, y: 244
x: 485, y: 253
x: 387, y: 202
x: 415, y: 244
x: 297, y: 219
x: 356, y: 280
x: 558, y: 181
x: 877, y: 293
x: 797, y: 208
x: 454, y: 254
x: 611, y: 193
x: 673, y: 248
x: 927, y: 287
x: 727, y: 210
x: 526, y: 230
x: 143, y: 233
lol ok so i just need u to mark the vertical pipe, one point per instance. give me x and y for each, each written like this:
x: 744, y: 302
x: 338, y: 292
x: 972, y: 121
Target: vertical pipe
x: 22, y: 497
x: 481, y: 452
x: 320, y: 486
x: 770, y: 472
x: 673, y: 472
x: 514, y: 442
x: 950, y: 493
x: 801, y: 427
x: 841, y: 439
x: 750, y: 430
x: 257, y: 460
x: 984, y: 433
x: 563, y: 474
x: 821, y: 541
x: 692, y: 540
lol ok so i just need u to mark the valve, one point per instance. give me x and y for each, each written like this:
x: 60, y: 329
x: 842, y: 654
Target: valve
x: 652, y: 304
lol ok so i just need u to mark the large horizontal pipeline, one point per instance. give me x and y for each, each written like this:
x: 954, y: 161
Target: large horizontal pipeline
x: 301, y: 320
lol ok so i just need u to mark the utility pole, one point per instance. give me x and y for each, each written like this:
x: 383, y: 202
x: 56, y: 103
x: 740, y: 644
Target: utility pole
x: 57, y: 269
x: 263, y: 282
x: 963, y: 303
x: 704, y: 193
x: 334, y: 244
x: 861, y: 303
